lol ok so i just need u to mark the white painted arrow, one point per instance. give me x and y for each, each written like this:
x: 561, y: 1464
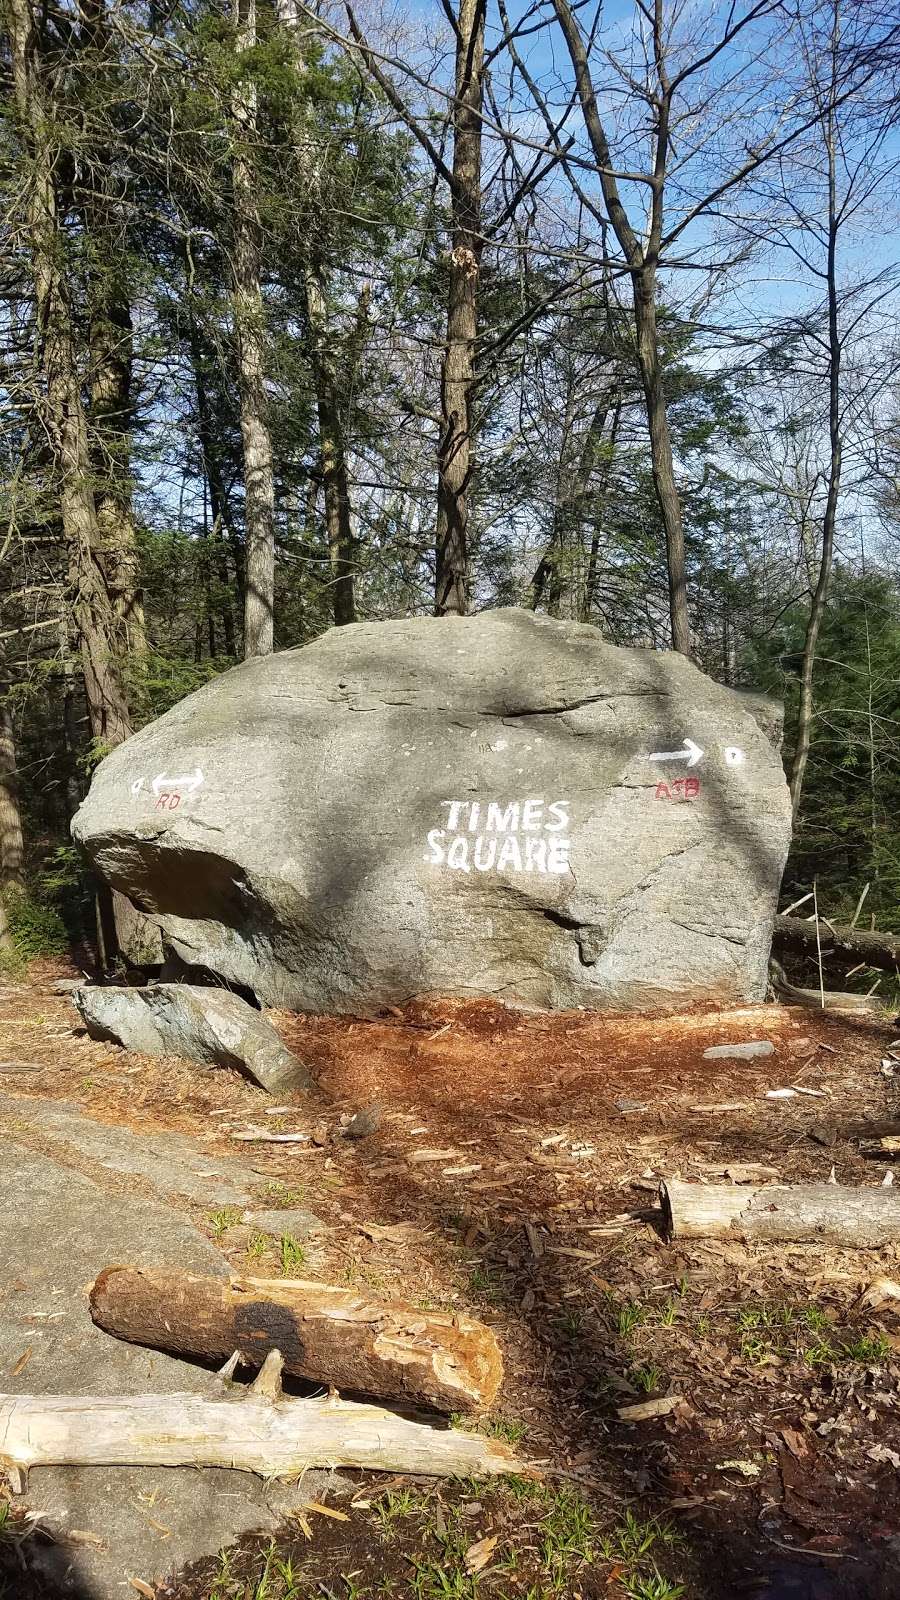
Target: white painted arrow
x: 691, y: 754
x: 189, y: 781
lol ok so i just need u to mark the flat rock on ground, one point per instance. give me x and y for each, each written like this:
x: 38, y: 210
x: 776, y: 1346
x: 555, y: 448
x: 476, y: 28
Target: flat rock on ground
x: 148, y: 1521
x: 171, y: 1163
x: 293, y: 1220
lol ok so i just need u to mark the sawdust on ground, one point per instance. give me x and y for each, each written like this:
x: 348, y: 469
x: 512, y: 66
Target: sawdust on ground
x: 513, y: 1173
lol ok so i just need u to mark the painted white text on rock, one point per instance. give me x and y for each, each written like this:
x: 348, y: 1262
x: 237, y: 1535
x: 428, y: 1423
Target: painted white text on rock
x: 501, y: 836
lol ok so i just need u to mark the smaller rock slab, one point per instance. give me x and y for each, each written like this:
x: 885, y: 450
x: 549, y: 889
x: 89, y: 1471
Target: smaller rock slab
x: 739, y: 1052
x: 212, y: 1026
x: 298, y: 1224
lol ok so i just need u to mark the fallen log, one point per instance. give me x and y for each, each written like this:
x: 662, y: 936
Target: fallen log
x: 820, y: 1212
x: 841, y: 1001
x: 448, y: 1362
x: 887, y: 1145
x: 875, y: 949
x: 254, y: 1429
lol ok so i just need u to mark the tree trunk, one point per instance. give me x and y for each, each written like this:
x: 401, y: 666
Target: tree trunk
x: 220, y: 509
x: 253, y: 1429
x: 456, y: 446
x: 93, y: 610
x: 390, y: 1349
x: 334, y: 462
x: 816, y: 1213
x: 259, y: 477
x: 829, y: 519
x: 590, y: 585
x: 644, y: 288
x: 12, y: 845
x: 70, y: 708
x: 110, y: 373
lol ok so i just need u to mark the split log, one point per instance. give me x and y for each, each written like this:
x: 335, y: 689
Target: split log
x: 818, y: 1212
x: 254, y: 1429
x: 448, y: 1362
x: 875, y: 949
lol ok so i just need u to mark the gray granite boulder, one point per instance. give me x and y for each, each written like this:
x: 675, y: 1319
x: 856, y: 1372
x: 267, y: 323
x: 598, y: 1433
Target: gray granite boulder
x: 192, y: 1020
x: 498, y: 805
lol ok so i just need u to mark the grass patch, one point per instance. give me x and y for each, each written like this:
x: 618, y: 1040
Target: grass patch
x: 223, y: 1219
x: 508, y: 1428
x: 781, y: 1332
x: 648, y: 1378
x: 469, y: 1539
x: 281, y: 1198
x: 292, y: 1255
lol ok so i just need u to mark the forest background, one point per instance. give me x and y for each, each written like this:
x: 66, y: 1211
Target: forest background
x: 322, y: 313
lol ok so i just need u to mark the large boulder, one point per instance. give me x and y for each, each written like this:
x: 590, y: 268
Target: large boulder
x: 492, y: 805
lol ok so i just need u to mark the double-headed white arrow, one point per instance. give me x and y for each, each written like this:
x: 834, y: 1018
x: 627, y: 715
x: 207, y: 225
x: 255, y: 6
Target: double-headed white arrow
x: 691, y: 754
x: 189, y: 781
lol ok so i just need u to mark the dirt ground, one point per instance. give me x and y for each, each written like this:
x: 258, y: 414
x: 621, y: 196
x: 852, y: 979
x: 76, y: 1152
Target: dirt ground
x: 513, y: 1173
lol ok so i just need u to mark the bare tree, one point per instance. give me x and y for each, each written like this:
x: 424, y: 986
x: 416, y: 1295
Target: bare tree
x: 699, y: 116
x: 848, y: 157
x: 456, y: 442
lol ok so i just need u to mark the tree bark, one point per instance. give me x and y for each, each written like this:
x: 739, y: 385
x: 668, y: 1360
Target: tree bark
x: 259, y: 476
x: 456, y: 445
x: 829, y: 519
x: 875, y: 949
x: 642, y: 256
x: 644, y: 287
x: 219, y: 503
x: 251, y: 1429
x: 93, y: 610
x: 12, y: 844
x: 334, y: 461
x: 818, y: 1213
x: 389, y: 1349
x: 110, y: 350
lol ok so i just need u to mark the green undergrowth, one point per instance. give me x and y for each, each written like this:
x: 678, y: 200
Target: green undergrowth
x: 785, y: 1332
x: 515, y: 1539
